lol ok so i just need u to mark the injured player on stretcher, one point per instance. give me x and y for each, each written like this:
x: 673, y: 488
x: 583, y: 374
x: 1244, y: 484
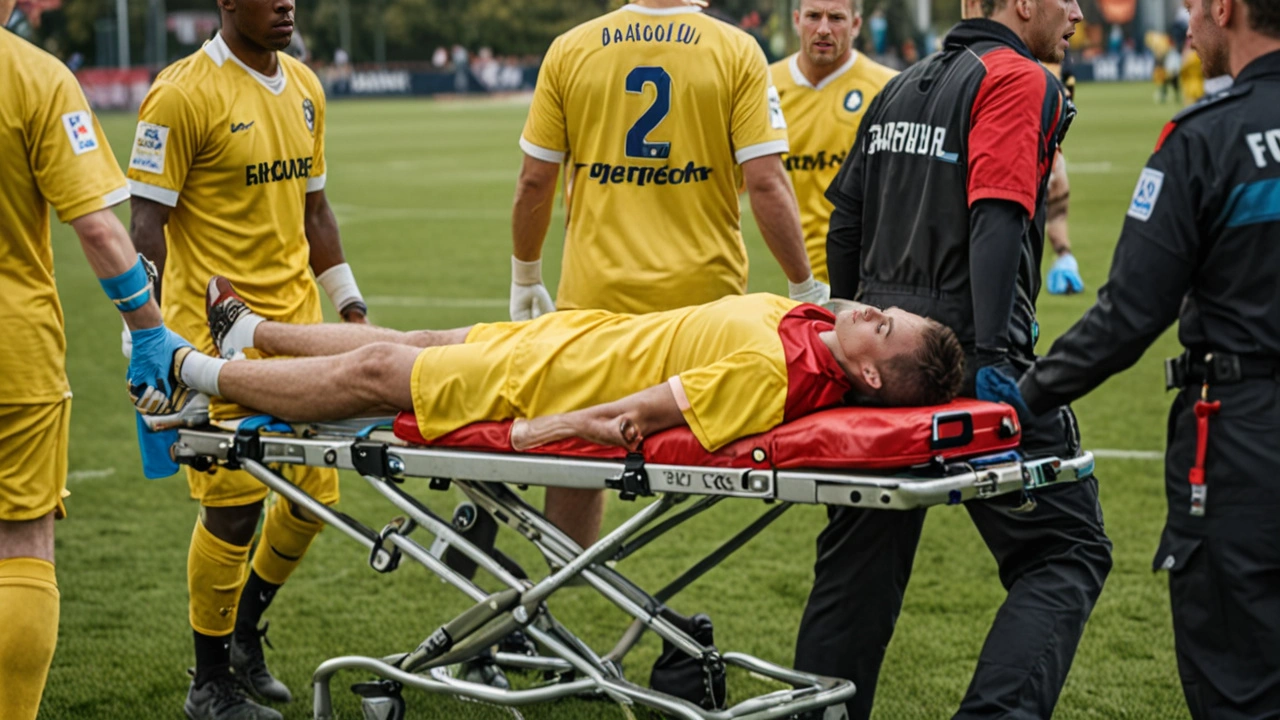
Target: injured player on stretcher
x: 727, y: 369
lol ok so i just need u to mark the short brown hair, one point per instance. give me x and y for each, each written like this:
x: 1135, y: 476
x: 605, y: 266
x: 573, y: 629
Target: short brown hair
x: 1264, y: 16
x: 931, y: 375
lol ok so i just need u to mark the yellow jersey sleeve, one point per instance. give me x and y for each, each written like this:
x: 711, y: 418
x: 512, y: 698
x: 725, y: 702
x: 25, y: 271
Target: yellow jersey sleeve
x: 742, y: 394
x: 757, y: 127
x: 69, y: 155
x: 165, y: 144
x: 546, y: 136
x: 315, y: 182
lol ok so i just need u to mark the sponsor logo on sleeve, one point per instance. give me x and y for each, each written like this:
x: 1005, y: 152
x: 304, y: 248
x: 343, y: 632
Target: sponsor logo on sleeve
x: 79, y: 127
x: 309, y: 114
x: 776, y: 120
x: 1146, y: 194
x: 150, y: 144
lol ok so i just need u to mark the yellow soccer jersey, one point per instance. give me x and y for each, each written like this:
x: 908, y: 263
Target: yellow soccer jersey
x: 726, y: 358
x: 823, y: 122
x: 234, y: 153
x: 52, y: 151
x: 651, y: 111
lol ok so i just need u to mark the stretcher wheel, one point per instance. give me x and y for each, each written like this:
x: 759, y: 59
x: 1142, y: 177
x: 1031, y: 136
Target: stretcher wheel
x: 380, y: 700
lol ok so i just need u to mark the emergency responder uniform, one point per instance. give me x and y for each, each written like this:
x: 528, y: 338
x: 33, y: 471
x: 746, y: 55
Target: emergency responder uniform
x: 940, y: 211
x: 1201, y: 244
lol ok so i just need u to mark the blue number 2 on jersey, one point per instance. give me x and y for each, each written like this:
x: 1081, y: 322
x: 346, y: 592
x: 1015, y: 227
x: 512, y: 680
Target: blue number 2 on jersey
x: 637, y: 146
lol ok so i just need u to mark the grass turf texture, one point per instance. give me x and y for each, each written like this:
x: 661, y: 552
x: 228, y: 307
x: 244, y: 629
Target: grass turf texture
x: 422, y: 191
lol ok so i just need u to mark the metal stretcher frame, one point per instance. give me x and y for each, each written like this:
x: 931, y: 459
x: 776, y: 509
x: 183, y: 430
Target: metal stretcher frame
x: 388, y: 463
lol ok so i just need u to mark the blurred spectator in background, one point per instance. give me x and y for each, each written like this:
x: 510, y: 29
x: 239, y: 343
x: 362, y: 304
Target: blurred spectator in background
x: 878, y: 26
x: 1172, y: 70
x: 440, y: 58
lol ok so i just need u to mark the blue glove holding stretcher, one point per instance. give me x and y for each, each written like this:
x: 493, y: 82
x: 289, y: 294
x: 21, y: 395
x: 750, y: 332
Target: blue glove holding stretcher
x: 997, y: 383
x: 1064, y: 276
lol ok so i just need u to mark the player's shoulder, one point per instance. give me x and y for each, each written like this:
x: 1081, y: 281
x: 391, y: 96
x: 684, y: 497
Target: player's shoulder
x: 302, y: 72
x: 872, y: 72
x: 30, y: 63
x: 780, y: 73
x: 187, y: 79
x: 1212, y: 108
x: 1007, y: 64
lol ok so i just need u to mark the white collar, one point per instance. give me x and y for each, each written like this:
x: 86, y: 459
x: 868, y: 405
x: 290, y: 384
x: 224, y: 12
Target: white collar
x: 678, y: 10
x: 218, y: 51
x: 803, y: 81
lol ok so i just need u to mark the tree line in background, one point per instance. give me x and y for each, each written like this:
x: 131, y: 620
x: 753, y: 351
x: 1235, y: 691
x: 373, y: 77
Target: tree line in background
x: 411, y: 30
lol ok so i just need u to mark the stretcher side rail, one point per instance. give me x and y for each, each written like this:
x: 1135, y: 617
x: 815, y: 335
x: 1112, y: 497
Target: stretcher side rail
x: 854, y: 489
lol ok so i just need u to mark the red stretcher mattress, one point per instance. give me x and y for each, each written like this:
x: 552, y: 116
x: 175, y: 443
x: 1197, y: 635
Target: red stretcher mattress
x: 840, y: 438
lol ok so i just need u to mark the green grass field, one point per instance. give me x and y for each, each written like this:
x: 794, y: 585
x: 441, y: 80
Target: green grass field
x: 422, y: 191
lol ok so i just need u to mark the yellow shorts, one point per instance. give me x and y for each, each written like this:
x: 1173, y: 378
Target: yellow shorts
x: 33, y: 459
x: 229, y: 488
x: 455, y: 385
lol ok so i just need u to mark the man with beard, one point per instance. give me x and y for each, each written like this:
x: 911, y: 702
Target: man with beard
x: 1199, y: 246
x: 940, y: 209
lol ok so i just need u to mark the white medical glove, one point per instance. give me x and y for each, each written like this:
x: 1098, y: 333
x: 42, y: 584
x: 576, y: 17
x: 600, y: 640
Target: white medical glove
x: 126, y: 341
x: 529, y: 297
x: 809, y: 291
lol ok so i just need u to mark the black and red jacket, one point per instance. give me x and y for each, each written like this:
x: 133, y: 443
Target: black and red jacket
x: 940, y: 208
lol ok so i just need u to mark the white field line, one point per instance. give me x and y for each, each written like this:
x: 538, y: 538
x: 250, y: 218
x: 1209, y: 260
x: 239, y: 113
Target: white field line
x: 1129, y: 454
x: 77, y: 475
x: 1088, y: 168
x: 434, y: 302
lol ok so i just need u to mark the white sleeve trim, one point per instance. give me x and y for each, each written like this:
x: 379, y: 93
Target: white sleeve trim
x: 164, y: 196
x: 315, y: 184
x: 751, y: 152
x: 537, y: 152
x: 115, y: 197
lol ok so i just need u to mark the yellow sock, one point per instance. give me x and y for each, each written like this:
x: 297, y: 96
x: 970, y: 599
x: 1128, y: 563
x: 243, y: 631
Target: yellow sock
x: 215, y: 574
x: 28, y: 633
x: 285, y: 539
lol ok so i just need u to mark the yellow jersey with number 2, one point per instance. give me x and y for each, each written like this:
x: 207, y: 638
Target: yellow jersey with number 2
x: 651, y: 111
x: 52, y: 152
x: 234, y: 153
x: 823, y: 123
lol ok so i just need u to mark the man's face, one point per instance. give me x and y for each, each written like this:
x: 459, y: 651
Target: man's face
x: 867, y: 334
x: 1053, y: 22
x: 827, y: 29
x: 267, y: 23
x: 1207, y: 38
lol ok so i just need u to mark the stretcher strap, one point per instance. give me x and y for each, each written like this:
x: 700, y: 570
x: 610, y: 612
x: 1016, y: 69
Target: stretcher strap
x: 1204, y: 411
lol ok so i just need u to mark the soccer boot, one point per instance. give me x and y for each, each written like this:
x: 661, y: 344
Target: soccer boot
x: 231, y: 322
x: 250, y: 667
x: 221, y: 698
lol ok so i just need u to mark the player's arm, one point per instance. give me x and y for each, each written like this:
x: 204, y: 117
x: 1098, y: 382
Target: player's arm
x: 328, y: 262
x: 1064, y: 276
x: 111, y: 254
x: 1150, y: 275
x: 545, y: 144
x: 146, y: 226
x: 773, y: 203
x: 623, y: 423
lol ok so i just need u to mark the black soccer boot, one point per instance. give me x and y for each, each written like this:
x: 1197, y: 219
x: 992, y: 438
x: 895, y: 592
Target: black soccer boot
x: 250, y: 667
x: 221, y: 698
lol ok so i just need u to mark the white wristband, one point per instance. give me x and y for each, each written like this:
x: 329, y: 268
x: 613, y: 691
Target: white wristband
x: 526, y: 273
x: 339, y: 284
x: 804, y: 286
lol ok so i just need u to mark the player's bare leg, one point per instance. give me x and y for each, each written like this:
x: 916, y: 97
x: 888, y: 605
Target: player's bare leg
x: 235, y: 327
x: 373, y: 380
x: 579, y: 513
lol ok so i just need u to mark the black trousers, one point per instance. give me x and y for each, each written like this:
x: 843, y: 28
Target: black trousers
x: 1224, y: 567
x: 1052, y: 559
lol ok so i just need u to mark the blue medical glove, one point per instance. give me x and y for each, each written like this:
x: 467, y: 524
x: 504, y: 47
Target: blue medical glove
x: 998, y: 383
x: 152, y: 384
x: 1064, y: 276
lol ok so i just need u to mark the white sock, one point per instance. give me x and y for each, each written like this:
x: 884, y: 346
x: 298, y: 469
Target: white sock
x: 240, y: 337
x: 200, y: 372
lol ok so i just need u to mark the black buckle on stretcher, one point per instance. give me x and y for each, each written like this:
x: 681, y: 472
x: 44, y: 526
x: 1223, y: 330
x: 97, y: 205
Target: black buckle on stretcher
x: 247, y: 445
x: 634, y: 480
x: 372, y: 459
x: 385, y: 559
